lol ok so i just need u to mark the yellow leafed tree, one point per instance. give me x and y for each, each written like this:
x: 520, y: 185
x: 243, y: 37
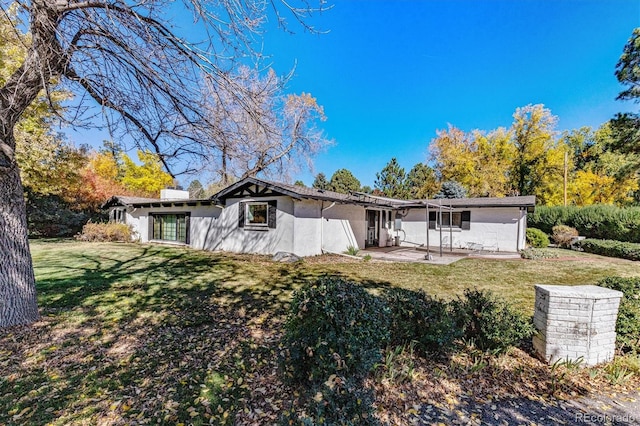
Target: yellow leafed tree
x: 147, y: 178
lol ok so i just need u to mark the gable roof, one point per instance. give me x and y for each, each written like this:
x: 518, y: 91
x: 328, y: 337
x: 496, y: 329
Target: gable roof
x: 255, y: 187
x: 125, y: 201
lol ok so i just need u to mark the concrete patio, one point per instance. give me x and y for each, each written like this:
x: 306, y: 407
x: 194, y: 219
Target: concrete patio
x: 419, y: 254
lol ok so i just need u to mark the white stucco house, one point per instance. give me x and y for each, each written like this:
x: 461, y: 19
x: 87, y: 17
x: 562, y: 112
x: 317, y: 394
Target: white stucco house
x: 258, y: 216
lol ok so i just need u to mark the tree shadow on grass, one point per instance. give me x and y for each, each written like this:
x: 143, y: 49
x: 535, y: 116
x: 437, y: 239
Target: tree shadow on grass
x: 149, y: 333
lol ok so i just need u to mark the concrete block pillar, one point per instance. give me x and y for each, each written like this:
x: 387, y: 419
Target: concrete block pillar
x: 576, y: 321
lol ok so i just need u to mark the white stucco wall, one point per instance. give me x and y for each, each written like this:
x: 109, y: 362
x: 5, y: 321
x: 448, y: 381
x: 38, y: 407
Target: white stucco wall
x: 224, y: 233
x: 307, y: 232
x: 343, y: 225
x: 201, y: 217
x: 492, y: 227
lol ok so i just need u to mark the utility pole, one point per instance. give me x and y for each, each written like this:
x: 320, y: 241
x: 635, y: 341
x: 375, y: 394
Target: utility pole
x: 566, y: 170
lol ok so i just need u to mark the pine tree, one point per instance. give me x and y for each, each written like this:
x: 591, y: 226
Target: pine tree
x: 320, y: 182
x: 451, y: 189
x: 391, y: 180
x: 344, y: 181
x: 421, y: 182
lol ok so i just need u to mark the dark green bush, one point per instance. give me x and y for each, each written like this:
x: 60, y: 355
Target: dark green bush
x: 489, y: 322
x: 333, y: 327
x: 610, y: 248
x: 597, y: 221
x: 419, y: 318
x: 338, y: 401
x: 536, y: 238
x: 628, y: 323
x: 563, y: 235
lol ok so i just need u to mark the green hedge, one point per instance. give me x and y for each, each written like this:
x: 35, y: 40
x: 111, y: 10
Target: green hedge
x: 628, y: 323
x: 610, y: 248
x: 597, y: 221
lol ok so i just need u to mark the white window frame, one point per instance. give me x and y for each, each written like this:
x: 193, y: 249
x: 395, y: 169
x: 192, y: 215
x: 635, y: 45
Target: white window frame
x: 445, y: 226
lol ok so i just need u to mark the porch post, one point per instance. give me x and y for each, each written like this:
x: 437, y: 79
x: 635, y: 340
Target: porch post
x: 450, y: 229
x: 427, y: 228
x: 440, y: 217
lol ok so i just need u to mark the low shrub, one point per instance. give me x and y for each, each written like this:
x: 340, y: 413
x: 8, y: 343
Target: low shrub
x: 105, y: 232
x: 337, y: 401
x: 564, y: 235
x: 416, y: 317
x: 610, y: 248
x: 490, y: 323
x: 333, y: 327
x: 539, y: 253
x: 628, y: 323
x: 536, y: 238
x: 352, y: 250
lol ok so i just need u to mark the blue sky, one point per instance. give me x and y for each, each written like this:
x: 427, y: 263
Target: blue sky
x: 391, y: 73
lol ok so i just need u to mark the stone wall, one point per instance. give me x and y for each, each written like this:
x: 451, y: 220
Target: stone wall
x: 576, y: 321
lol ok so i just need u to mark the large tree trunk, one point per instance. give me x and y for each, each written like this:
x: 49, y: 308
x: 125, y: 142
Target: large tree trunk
x: 44, y: 61
x: 18, y: 303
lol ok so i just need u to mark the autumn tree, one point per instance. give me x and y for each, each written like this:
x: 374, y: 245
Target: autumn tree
x: 50, y: 166
x: 147, y: 178
x: 538, y: 160
x: 422, y: 182
x: 320, y: 182
x: 596, y: 173
x: 125, y: 57
x: 494, y: 156
x: 344, y: 181
x: 453, y: 152
x: 391, y: 180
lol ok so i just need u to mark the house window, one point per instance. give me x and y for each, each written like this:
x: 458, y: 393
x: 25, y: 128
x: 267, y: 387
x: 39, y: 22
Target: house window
x: 257, y: 214
x: 118, y: 215
x: 457, y: 220
x: 171, y: 227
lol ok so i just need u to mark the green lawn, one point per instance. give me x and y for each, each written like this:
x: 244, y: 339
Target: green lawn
x: 139, y: 333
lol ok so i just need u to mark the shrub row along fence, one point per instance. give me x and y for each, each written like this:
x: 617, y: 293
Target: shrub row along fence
x: 598, y: 221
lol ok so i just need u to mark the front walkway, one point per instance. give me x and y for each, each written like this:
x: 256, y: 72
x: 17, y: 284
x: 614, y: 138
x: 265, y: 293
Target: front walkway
x: 419, y: 255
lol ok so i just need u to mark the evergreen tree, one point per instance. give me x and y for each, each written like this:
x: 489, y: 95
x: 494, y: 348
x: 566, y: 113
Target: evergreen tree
x: 320, y: 182
x: 344, y: 181
x: 421, y: 182
x: 196, y: 190
x: 451, y: 189
x: 391, y: 180
x: 300, y: 183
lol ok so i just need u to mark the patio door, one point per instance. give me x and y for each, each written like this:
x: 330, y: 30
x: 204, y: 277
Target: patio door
x: 373, y: 228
